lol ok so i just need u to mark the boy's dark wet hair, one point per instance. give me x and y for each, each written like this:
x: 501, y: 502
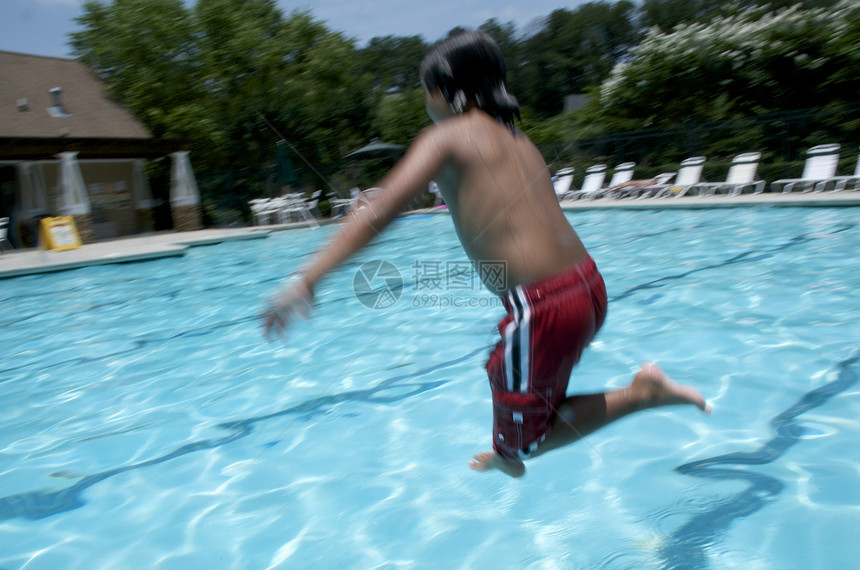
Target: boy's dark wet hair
x: 469, y: 67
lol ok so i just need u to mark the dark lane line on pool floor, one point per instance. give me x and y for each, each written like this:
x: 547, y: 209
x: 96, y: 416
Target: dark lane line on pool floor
x: 743, y: 257
x: 137, y: 344
x: 40, y: 504
x: 45, y: 503
x: 687, y: 546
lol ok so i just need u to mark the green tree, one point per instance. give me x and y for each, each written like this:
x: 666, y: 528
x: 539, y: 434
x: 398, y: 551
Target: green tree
x: 144, y: 50
x: 505, y: 35
x: 401, y: 116
x: 571, y: 52
x: 217, y: 74
x: 666, y: 14
x: 393, y: 61
x: 754, y: 63
x: 239, y: 47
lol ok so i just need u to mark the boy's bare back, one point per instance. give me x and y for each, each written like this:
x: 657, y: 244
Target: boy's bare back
x: 498, y: 190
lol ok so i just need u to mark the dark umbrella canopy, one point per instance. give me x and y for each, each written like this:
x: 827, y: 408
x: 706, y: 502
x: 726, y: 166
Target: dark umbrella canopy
x: 378, y: 149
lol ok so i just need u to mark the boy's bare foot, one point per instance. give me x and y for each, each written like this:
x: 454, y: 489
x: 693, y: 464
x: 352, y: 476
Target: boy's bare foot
x: 488, y: 460
x: 656, y: 389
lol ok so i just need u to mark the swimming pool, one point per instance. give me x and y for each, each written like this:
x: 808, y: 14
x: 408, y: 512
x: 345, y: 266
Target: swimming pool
x: 147, y: 425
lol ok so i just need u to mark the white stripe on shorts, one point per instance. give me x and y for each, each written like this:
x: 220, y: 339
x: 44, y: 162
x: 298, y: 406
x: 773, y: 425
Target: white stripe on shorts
x: 517, y: 349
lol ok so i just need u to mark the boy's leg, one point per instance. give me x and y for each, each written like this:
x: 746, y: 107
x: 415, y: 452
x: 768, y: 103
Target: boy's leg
x: 581, y: 415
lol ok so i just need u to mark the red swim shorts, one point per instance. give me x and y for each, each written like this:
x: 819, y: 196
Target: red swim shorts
x: 547, y: 327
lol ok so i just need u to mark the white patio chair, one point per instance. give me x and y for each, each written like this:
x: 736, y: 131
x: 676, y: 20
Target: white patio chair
x: 689, y: 174
x: 562, y: 183
x: 294, y: 204
x: 820, y: 165
x: 741, y: 175
x: 433, y: 188
x: 342, y: 205
x: 592, y: 185
x: 4, y: 234
x: 314, y: 204
x: 262, y: 211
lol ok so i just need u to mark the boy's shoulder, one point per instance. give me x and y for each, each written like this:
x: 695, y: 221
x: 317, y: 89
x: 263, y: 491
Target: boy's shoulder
x: 462, y: 132
x: 443, y: 138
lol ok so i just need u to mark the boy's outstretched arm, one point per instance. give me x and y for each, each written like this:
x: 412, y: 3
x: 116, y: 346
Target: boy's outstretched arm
x: 373, y: 212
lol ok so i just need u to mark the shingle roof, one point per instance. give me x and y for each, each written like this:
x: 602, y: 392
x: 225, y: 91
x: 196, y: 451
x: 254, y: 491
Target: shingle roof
x: 92, y: 113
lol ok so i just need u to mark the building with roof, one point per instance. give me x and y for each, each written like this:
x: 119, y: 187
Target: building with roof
x: 66, y: 148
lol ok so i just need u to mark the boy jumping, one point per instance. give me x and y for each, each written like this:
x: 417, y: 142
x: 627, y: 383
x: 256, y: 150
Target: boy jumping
x: 498, y: 190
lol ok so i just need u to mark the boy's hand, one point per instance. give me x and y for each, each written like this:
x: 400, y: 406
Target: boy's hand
x: 292, y: 298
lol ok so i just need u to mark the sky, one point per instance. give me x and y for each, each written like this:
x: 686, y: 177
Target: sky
x: 41, y: 27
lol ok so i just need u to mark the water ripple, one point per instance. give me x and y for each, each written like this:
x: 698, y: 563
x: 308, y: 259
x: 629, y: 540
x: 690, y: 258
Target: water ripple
x: 686, y: 547
x: 743, y: 257
x: 45, y: 503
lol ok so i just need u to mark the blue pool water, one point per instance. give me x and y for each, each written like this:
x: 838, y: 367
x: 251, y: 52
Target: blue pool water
x: 146, y: 424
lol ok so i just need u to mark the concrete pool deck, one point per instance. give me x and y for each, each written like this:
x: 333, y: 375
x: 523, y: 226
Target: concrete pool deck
x: 17, y: 263
x: 122, y: 250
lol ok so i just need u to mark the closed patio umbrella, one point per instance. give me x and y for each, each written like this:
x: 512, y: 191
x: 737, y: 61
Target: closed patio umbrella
x: 285, y: 169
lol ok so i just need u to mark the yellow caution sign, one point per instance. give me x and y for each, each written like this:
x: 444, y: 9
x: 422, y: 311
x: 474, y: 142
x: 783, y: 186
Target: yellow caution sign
x: 59, y: 233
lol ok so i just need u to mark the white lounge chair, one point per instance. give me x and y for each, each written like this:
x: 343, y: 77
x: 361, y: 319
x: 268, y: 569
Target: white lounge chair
x: 563, y: 182
x: 635, y: 188
x: 592, y: 185
x: 622, y: 174
x: 820, y: 165
x: 741, y: 175
x: 689, y: 174
x: 664, y: 177
x: 4, y: 234
x: 842, y: 182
